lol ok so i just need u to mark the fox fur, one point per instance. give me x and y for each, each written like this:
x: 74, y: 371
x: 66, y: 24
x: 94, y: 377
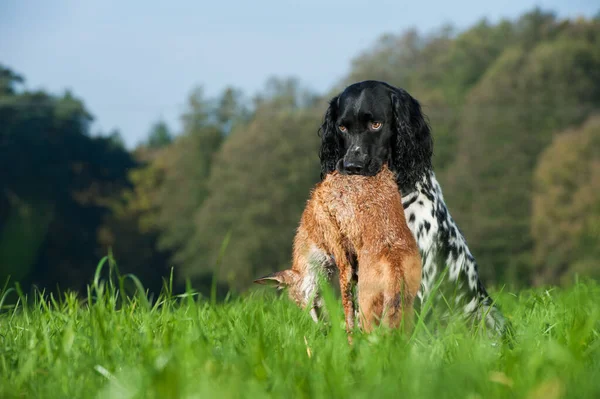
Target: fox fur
x: 357, y: 224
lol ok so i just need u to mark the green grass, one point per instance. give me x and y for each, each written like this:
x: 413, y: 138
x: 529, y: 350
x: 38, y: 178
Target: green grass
x: 261, y: 345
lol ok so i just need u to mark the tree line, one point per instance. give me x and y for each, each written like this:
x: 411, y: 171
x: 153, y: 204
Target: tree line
x: 514, y: 112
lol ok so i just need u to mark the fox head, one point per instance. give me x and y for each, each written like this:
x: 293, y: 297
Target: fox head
x: 289, y: 279
x: 295, y: 285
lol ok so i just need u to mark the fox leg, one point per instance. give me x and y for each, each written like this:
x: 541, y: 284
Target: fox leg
x: 403, y: 281
x: 345, y: 276
x: 370, y: 292
x: 370, y: 304
x: 316, y: 264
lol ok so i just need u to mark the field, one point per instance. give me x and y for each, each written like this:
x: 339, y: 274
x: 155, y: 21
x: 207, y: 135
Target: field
x: 260, y: 345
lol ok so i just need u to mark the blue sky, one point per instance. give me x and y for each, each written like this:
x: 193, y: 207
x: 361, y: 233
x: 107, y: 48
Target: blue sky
x: 133, y: 62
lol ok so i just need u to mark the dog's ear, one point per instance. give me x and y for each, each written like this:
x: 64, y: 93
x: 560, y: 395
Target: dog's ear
x: 330, y: 150
x: 412, y: 144
x: 280, y: 280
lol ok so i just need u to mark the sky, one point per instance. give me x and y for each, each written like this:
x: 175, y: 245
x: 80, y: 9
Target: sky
x: 135, y: 62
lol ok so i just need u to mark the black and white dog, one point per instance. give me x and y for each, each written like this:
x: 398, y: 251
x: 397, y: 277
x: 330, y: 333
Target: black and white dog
x: 372, y: 122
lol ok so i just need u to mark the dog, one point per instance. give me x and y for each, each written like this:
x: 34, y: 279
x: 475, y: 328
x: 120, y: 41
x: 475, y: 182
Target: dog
x: 371, y: 123
x: 359, y: 222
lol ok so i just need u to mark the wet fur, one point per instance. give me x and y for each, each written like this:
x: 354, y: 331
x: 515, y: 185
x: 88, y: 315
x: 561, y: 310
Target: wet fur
x: 360, y: 222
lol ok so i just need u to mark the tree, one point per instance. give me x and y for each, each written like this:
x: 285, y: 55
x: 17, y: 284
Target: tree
x: 131, y: 229
x: 56, y: 181
x: 187, y: 164
x: 231, y: 109
x: 565, y: 222
x: 525, y: 98
x: 8, y: 81
x: 258, y: 185
x: 159, y: 136
x: 288, y: 92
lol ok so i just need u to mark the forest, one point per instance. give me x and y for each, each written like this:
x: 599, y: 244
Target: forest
x: 514, y: 109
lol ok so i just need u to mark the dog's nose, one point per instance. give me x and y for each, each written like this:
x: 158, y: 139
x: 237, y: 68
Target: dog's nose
x: 353, y: 167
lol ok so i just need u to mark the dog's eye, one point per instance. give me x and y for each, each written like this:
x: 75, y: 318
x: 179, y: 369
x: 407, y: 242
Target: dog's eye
x: 376, y: 125
x: 342, y: 128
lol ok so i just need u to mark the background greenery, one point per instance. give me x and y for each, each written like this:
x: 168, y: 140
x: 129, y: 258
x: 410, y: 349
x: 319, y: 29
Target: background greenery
x: 514, y: 110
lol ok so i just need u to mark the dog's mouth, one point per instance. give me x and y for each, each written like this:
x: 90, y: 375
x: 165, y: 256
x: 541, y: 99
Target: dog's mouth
x: 370, y: 168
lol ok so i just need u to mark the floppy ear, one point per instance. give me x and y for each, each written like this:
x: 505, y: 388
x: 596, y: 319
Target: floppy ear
x: 412, y: 146
x: 330, y: 151
x: 280, y: 279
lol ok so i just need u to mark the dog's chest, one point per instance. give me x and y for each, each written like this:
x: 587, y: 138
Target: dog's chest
x: 440, y: 241
x: 427, y: 219
x: 420, y: 216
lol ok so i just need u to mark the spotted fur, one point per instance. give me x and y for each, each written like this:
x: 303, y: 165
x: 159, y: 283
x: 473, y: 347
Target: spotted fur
x: 442, y: 244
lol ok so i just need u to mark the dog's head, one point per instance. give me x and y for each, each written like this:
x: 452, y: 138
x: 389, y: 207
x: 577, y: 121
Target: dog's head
x: 371, y: 123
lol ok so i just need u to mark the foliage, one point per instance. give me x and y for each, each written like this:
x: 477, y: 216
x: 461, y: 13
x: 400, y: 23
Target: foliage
x: 160, y: 135
x: 511, y: 115
x: 130, y: 229
x: 566, y: 204
x: 258, y: 187
x: 55, y: 184
x: 187, y: 165
x: 496, y: 94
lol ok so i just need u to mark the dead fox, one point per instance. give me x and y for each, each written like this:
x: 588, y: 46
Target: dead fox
x: 356, y: 223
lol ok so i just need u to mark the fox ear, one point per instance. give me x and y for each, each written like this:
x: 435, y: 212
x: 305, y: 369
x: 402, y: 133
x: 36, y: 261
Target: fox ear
x: 280, y: 279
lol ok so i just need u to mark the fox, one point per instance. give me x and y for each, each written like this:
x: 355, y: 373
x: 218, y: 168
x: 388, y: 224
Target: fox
x: 355, y: 224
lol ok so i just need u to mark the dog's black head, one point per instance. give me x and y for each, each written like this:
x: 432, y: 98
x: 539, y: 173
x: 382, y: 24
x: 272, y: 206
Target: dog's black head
x: 371, y: 123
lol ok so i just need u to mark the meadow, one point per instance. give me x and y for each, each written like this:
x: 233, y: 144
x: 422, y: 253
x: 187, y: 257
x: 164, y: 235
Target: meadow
x: 109, y: 345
